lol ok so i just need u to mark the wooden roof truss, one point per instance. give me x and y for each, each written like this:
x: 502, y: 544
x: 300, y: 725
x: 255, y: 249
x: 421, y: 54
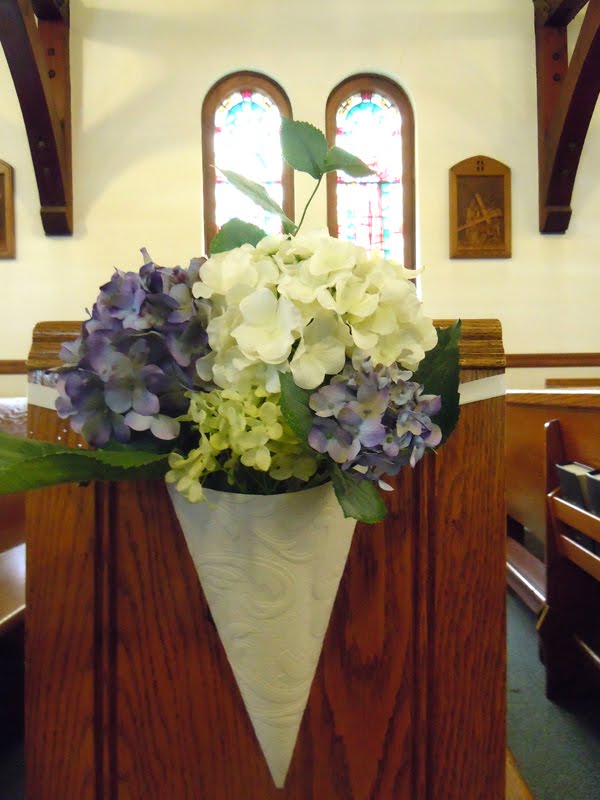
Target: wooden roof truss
x: 566, y: 97
x: 38, y: 59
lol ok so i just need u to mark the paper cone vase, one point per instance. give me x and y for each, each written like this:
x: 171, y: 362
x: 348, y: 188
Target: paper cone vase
x: 270, y: 568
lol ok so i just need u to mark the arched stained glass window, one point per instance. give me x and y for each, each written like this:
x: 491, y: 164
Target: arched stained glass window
x: 241, y: 120
x: 370, y: 116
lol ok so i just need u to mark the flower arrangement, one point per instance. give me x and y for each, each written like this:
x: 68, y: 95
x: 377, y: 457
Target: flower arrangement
x: 278, y: 363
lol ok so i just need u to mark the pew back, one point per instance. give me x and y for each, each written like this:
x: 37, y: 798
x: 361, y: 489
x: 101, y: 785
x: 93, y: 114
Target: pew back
x: 526, y: 414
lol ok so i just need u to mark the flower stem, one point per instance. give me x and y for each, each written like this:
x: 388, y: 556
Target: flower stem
x: 308, y: 203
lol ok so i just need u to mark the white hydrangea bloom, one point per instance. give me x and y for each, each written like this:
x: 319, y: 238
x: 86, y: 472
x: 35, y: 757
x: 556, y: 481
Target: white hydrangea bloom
x: 269, y: 327
x: 321, y: 351
x: 305, y: 304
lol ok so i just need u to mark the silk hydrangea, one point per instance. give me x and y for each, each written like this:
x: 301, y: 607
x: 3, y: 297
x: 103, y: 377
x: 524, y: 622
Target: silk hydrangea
x: 304, y: 305
x: 234, y: 431
x: 127, y: 373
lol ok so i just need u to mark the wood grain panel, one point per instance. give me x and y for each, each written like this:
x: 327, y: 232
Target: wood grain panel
x: 587, y: 399
x: 12, y: 366
x: 468, y: 614
x: 355, y: 739
x: 521, y: 360
x: 60, y: 633
x: 573, y: 383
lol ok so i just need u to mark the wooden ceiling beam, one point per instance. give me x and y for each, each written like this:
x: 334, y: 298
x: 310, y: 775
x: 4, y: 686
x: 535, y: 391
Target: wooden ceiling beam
x: 557, y: 12
x: 38, y: 59
x: 51, y: 9
x: 567, y: 94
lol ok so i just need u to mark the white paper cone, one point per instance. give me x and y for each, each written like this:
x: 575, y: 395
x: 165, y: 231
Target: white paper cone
x: 270, y: 568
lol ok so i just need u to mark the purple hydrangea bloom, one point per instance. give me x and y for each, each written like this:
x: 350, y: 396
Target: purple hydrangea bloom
x: 374, y: 420
x: 327, y: 436
x: 136, y: 356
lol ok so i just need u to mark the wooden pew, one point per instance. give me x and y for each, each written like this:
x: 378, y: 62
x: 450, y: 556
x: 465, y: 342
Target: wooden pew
x: 569, y: 626
x: 572, y: 383
x: 526, y: 484
x: 526, y: 414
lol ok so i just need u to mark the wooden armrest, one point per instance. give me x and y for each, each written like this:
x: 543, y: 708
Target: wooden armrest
x: 12, y: 587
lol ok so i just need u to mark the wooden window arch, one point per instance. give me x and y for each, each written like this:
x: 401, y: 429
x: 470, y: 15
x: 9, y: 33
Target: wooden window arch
x: 242, y: 82
x: 368, y: 84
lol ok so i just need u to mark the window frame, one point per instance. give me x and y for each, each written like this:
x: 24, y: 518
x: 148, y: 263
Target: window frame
x: 241, y: 81
x: 393, y: 92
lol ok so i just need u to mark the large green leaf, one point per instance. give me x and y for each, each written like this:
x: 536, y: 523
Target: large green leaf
x: 259, y: 195
x: 440, y: 374
x: 235, y: 233
x: 29, y: 464
x: 358, y: 497
x: 304, y: 147
x: 338, y: 158
x: 295, y: 408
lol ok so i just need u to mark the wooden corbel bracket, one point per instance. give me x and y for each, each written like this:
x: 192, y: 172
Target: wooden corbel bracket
x: 38, y: 58
x: 566, y: 96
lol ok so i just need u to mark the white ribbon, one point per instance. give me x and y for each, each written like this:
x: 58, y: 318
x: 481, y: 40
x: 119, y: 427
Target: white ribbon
x: 482, y: 389
x: 42, y: 396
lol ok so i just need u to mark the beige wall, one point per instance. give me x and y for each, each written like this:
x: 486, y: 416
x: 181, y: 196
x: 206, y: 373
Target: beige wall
x: 140, y: 70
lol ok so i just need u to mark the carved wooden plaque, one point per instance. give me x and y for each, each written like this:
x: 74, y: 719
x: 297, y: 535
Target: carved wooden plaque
x: 7, y: 212
x: 480, y: 209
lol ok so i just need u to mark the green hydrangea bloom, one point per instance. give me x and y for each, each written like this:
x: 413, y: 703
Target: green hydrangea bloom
x: 233, y: 429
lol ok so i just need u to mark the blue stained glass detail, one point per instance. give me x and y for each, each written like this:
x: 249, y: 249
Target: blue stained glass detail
x: 246, y: 140
x: 370, y: 209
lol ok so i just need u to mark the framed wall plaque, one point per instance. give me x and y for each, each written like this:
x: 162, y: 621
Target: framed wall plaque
x: 480, y: 209
x: 7, y: 211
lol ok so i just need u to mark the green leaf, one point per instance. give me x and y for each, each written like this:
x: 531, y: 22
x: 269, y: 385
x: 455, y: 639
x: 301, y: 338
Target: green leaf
x: 304, y: 147
x: 439, y: 372
x: 29, y: 464
x: 358, y: 497
x: 295, y: 408
x: 258, y: 194
x: 338, y: 158
x: 235, y: 233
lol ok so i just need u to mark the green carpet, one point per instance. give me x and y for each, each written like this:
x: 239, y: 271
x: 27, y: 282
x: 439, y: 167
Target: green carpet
x: 557, y: 748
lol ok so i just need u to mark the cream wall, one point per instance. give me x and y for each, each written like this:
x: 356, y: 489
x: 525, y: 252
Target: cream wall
x: 140, y: 70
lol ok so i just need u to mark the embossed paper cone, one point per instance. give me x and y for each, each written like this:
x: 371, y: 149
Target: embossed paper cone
x: 270, y: 568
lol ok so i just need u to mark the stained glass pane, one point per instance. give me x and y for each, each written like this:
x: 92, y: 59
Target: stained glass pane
x: 246, y: 140
x: 369, y: 209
